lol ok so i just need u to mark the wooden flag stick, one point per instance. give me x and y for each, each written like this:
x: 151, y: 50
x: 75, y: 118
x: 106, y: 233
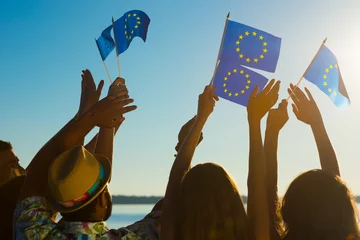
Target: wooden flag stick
x: 220, y: 49
x: 106, y: 69
x: 306, y: 71
x: 116, y: 46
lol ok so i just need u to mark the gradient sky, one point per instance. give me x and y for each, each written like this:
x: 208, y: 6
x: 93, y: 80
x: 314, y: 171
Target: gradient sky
x: 44, y: 45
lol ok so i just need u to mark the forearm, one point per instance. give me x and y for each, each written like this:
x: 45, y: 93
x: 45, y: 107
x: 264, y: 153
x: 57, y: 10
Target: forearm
x: 257, y: 202
x: 105, y: 143
x: 67, y: 137
x: 326, y: 151
x: 270, y: 149
x: 92, y: 144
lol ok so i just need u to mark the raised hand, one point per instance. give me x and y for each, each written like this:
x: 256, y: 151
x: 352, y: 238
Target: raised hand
x: 260, y: 104
x: 118, y: 88
x: 278, y: 117
x: 207, y: 102
x: 89, y: 93
x: 109, y: 111
x: 304, y: 108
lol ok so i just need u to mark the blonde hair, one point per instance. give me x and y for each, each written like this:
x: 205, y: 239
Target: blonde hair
x: 211, y: 206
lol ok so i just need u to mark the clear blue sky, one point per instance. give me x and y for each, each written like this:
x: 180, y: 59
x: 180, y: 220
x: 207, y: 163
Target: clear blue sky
x: 44, y: 45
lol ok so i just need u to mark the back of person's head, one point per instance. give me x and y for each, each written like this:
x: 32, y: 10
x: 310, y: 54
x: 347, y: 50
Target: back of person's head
x: 318, y: 205
x: 9, y: 163
x: 211, y: 206
x: 78, y: 185
x: 9, y: 194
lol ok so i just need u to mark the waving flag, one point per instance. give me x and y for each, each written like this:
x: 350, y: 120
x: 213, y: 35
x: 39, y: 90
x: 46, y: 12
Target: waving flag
x: 105, y: 43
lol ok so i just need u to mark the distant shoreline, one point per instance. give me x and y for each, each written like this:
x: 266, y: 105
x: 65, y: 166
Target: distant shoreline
x: 122, y: 199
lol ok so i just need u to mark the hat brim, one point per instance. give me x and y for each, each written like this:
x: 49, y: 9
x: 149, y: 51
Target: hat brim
x: 107, y: 174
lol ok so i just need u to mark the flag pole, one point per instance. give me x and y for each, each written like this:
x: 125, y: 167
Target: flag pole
x: 220, y: 49
x: 106, y: 69
x: 117, y: 50
x: 307, y: 69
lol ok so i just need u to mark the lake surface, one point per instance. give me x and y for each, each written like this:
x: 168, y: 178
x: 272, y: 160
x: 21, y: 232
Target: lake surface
x: 126, y: 214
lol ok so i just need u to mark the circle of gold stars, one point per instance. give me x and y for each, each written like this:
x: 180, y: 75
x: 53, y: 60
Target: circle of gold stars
x: 242, y: 91
x: 129, y: 33
x: 253, y: 34
x: 327, y: 71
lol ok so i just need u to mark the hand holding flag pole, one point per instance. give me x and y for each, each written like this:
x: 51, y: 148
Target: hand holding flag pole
x: 106, y: 69
x: 220, y: 49
x: 306, y: 71
x: 116, y: 47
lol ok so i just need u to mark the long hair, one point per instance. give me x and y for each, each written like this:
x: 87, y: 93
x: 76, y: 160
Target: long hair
x: 211, y: 206
x: 318, y: 205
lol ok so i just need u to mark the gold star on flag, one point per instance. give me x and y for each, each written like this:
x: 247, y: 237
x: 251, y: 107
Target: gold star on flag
x: 234, y: 70
x: 241, y: 56
x: 247, y: 87
x: 132, y: 31
x: 225, y: 90
x: 236, y: 94
x: 256, y: 60
x: 265, y: 50
x: 261, y: 37
x: 247, y: 75
x: 139, y: 23
x: 242, y: 91
x: 248, y: 82
x: 225, y: 78
x: 129, y: 15
x: 230, y: 94
x: 247, y: 33
x: 327, y: 70
x: 265, y: 44
x: 229, y: 73
x: 325, y: 84
x: 254, y: 33
x: 134, y: 14
x: 136, y: 26
x: 125, y: 26
x: 331, y: 66
x: 329, y: 90
x: 125, y: 32
x: 125, y: 19
x: 224, y: 85
x: 248, y: 60
x: 336, y: 66
x: 238, y: 49
x: 241, y: 37
x: 262, y: 56
x: 237, y: 42
x: 335, y: 93
x: 325, y: 77
x: 242, y: 72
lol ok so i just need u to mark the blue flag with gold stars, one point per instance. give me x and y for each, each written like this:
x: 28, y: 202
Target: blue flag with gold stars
x: 235, y: 83
x: 105, y: 43
x: 325, y: 74
x: 134, y: 23
x: 250, y: 47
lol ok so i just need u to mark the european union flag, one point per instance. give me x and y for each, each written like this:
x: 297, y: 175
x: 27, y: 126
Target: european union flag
x: 235, y: 83
x: 325, y: 74
x: 105, y: 43
x: 134, y: 23
x: 251, y: 47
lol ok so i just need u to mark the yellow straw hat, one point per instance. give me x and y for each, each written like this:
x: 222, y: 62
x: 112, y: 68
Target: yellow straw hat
x: 76, y: 177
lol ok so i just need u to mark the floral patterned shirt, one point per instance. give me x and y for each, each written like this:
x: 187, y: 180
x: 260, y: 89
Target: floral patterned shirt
x: 33, y: 220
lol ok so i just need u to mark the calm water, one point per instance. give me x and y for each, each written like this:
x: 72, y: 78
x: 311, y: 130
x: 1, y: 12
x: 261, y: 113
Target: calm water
x: 124, y: 215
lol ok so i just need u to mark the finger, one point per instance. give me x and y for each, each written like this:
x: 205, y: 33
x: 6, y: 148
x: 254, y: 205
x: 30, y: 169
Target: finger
x: 118, y: 98
x: 125, y: 102
x: 283, y: 105
x: 293, y: 96
x: 117, y: 81
x: 309, y: 95
x: 295, y: 110
x: 254, y: 92
x: 275, y: 89
x: 128, y: 109
x: 268, y: 86
x: 100, y: 87
x: 299, y: 93
x: 215, y: 97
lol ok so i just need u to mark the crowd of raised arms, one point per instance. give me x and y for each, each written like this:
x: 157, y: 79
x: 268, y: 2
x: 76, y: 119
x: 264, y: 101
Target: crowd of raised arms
x: 201, y: 202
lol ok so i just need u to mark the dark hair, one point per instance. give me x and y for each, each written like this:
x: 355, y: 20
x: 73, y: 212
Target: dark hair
x: 211, y: 207
x: 4, y: 146
x: 318, y: 205
x: 88, y: 212
x: 9, y: 193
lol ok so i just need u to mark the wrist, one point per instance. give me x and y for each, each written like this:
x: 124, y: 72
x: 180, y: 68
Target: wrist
x: 200, y: 119
x: 272, y: 132
x: 317, y: 124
